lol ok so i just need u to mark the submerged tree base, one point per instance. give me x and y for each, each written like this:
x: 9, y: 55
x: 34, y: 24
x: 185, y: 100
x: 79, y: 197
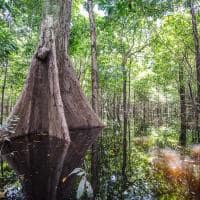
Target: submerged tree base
x: 42, y: 162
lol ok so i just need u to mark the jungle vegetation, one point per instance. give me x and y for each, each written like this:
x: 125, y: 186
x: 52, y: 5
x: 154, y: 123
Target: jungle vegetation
x: 137, y: 62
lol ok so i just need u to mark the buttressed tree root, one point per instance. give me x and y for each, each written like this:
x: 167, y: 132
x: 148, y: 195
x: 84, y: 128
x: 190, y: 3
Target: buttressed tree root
x: 52, y: 101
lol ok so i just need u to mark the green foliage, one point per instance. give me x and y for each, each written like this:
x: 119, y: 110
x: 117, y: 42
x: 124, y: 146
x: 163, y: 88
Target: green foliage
x: 166, y: 136
x: 8, y: 177
x: 7, y: 42
x: 149, y: 40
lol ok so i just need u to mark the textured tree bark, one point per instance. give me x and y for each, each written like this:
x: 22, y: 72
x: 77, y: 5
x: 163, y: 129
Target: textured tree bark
x: 94, y: 77
x: 40, y: 108
x: 94, y: 57
x: 197, y: 52
x: 52, y: 101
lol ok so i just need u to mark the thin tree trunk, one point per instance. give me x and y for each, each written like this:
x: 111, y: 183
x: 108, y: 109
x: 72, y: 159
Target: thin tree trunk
x: 114, y: 107
x: 144, y: 116
x: 158, y: 109
x: 197, y: 52
x: 94, y: 57
x: 3, y: 92
x: 2, y: 107
x: 125, y: 123
x: 95, y: 146
x: 182, y: 137
x: 193, y: 111
x: 129, y: 122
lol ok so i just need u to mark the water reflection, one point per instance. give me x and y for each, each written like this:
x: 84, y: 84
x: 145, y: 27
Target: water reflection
x: 81, y: 141
x: 173, y: 173
x: 42, y: 162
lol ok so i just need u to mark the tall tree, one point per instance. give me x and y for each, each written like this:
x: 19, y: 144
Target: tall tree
x: 182, y: 94
x: 125, y: 120
x: 94, y: 76
x: 197, y: 59
x: 3, y: 91
x: 52, y: 102
x: 60, y: 88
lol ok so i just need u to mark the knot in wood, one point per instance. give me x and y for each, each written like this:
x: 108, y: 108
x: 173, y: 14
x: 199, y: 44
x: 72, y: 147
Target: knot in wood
x: 42, y: 53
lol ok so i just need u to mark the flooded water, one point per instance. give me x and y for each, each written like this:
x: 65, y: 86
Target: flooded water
x: 42, y: 163
x: 156, y: 166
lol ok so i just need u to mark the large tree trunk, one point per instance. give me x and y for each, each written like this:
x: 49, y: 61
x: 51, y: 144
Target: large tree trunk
x: 95, y: 146
x: 197, y: 52
x: 52, y: 101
